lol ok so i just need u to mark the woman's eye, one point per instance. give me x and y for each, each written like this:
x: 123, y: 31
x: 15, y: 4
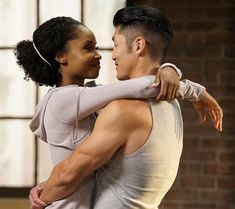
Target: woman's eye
x: 89, y: 47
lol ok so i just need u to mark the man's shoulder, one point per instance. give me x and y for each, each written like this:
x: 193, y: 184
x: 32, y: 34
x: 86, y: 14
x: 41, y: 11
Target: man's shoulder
x: 128, y: 110
x: 127, y: 105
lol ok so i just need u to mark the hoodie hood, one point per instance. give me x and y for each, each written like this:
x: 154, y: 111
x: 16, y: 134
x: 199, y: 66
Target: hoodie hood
x: 37, y: 123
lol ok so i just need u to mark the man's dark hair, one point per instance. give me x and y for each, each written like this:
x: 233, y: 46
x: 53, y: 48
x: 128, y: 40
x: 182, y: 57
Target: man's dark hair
x: 148, y: 22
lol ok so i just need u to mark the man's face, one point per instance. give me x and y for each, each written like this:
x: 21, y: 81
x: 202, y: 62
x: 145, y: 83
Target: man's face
x: 124, y: 60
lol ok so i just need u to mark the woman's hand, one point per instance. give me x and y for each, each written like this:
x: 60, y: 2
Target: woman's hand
x: 208, y: 104
x: 34, y: 201
x: 168, y: 81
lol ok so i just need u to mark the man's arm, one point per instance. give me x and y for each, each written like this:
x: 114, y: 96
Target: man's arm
x: 109, y: 134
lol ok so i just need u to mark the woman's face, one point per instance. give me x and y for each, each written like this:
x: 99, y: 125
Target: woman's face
x: 82, y: 59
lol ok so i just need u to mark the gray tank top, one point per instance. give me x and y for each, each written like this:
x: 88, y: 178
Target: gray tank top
x: 140, y: 180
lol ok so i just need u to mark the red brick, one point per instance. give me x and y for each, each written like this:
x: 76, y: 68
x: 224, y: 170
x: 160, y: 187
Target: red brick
x: 202, y: 3
x: 228, y: 26
x: 189, y: 114
x: 198, y: 181
x: 203, y: 48
x: 228, y: 103
x: 222, y: 91
x: 228, y: 78
x: 216, y: 196
x: 179, y: 26
x: 219, y: 168
x: 179, y: 39
x: 196, y: 38
x: 219, y: 38
x: 227, y: 156
x: 169, y: 206
x: 212, y: 77
x: 204, y: 51
x: 185, y: 194
x: 228, y: 130
x: 220, y: 12
x: 190, y: 168
x: 169, y: 2
x: 199, y: 206
x: 176, y: 52
x: 219, y: 65
x: 218, y: 143
x: 229, y: 117
x: 230, y: 51
x: 176, y: 14
x: 191, y: 143
x: 195, y: 128
x: 229, y: 2
x: 202, y: 26
x: 192, y: 13
x: 226, y: 183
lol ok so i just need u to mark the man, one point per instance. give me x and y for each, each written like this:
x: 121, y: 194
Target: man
x: 139, y: 147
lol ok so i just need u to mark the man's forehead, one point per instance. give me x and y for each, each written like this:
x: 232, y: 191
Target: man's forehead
x: 116, y: 33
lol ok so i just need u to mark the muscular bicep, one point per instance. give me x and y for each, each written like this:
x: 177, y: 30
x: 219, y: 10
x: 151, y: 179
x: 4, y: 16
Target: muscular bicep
x: 110, y: 133
x: 108, y: 136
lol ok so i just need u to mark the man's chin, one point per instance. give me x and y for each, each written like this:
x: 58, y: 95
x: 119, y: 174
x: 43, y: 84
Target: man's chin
x: 121, y: 78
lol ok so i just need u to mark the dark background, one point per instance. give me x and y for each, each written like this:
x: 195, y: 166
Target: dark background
x: 204, y: 49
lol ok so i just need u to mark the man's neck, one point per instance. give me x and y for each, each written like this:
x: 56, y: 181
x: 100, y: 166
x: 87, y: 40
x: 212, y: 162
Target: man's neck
x: 145, y: 68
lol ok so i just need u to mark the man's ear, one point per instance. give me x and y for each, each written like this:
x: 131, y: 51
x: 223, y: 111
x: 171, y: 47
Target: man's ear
x: 139, y: 44
x: 61, y: 58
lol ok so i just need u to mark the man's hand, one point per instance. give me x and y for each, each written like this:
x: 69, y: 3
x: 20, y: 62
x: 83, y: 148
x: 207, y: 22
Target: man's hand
x: 168, y: 80
x: 34, y: 201
x: 208, y: 104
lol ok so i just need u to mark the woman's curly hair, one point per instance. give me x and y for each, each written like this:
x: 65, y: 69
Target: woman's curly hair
x: 50, y: 38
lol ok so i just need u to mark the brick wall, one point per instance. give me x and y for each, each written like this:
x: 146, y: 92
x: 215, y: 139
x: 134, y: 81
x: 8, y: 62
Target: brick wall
x: 204, y: 48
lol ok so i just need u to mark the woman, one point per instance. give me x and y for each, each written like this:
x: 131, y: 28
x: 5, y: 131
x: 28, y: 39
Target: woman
x: 63, y: 54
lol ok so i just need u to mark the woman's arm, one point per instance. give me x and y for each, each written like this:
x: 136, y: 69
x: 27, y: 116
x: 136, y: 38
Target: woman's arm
x: 92, y: 99
x: 202, y: 101
x: 190, y: 91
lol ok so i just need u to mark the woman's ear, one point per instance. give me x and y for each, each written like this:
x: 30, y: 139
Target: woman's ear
x: 139, y: 44
x: 61, y: 58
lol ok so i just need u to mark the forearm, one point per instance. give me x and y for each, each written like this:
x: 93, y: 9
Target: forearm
x: 67, y: 176
x: 94, y: 98
x: 56, y: 186
x: 61, y: 183
x: 190, y: 91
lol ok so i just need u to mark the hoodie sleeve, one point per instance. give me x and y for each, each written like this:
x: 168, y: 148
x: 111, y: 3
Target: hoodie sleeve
x: 73, y: 103
x: 70, y: 103
x: 190, y: 91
